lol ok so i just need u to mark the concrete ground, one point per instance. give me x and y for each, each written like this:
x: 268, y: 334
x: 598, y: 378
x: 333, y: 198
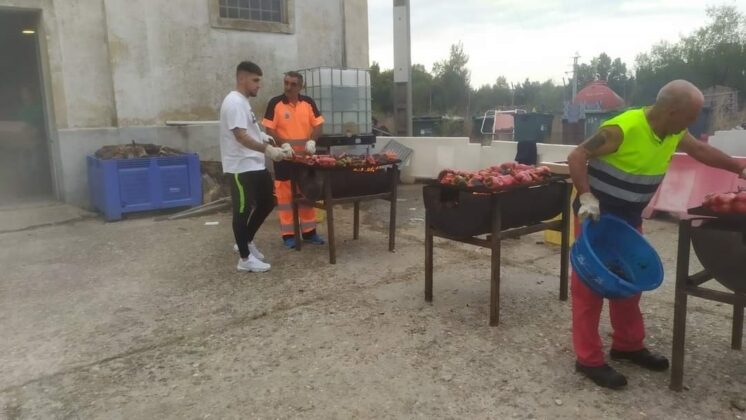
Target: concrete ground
x: 141, y: 319
x: 36, y: 212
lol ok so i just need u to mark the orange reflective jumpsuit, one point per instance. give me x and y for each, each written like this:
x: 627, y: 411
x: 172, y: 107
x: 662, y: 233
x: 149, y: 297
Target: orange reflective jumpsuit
x: 294, y: 123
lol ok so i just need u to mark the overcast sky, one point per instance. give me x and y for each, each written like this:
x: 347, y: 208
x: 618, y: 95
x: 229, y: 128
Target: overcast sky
x: 534, y: 38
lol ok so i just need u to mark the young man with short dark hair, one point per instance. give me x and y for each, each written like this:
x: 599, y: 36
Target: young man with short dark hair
x: 243, y: 147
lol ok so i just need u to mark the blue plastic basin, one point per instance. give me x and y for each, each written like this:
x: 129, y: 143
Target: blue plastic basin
x: 614, y: 260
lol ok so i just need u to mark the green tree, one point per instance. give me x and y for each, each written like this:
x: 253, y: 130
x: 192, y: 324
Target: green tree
x: 381, y: 89
x: 541, y: 97
x: 586, y: 73
x: 451, y: 90
x: 502, y: 93
x: 549, y: 98
x: 620, y: 80
x: 714, y: 54
x: 489, y: 97
x: 602, y: 67
x: 525, y: 93
x: 422, y: 90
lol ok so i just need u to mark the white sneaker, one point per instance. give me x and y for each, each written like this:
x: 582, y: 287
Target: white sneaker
x: 253, y: 250
x: 253, y: 265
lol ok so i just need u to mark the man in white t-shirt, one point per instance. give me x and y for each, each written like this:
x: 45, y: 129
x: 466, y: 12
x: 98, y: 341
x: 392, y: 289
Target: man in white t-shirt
x: 243, y: 147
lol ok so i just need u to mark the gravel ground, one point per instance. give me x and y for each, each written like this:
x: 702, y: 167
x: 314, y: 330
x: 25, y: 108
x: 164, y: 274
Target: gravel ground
x: 144, y: 319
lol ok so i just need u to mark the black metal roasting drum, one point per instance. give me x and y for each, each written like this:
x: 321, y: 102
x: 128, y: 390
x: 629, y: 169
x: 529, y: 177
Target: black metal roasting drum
x: 346, y: 182
x: 720, y: 245
x: 464, y: 213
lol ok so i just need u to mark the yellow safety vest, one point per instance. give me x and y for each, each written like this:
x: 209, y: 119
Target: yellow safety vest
x: 631, y: 175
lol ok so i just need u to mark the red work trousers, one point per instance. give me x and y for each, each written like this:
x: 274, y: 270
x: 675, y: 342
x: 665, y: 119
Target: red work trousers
x: 626, y: 321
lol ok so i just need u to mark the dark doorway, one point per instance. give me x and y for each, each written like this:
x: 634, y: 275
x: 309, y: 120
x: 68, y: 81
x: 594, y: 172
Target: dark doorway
x: 25, y: 173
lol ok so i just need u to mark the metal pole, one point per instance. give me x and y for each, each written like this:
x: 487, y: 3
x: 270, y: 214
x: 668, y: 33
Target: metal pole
x: 564, y: 91
x: 402, y: 68
x: 512, y: 95
x: 344, y: 32
x: 575, y: 76
x: 679, y: 310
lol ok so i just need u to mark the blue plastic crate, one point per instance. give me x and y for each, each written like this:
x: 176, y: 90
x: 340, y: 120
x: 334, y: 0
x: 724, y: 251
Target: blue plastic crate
x: 120, y: 186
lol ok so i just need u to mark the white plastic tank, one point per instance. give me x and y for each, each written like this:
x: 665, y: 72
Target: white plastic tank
x: 343, y: 97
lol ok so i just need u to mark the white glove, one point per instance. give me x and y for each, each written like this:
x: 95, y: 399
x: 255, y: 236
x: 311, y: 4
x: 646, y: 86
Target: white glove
x: 266, y: 138
x: 275, y: 153
x: 288, y: 150
x: 589, y: 207
x: 311, y: 147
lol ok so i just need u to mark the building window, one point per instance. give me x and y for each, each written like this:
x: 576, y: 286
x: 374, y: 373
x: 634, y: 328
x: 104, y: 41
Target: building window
x: 253, y: 15
x: 261, y: 10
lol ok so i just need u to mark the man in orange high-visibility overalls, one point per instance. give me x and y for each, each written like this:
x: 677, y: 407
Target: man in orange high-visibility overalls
x: 294, y: 120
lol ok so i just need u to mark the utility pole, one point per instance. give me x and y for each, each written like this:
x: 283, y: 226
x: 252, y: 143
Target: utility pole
x: 344, y: 33
x: 402, y: 69
x: 512, y: 95
x: 575, y: 76
x: 430, y: 101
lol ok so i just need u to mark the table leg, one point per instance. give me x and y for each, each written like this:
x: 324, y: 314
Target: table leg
x: 737, y: 338
x: 428, y: 261
x: 392, y: 210
x: 356, y: 220
x: 296, y: 215
x: 679, y: 318
x: 329, y: 205
x: 495, y: 264
x: 565, y: 244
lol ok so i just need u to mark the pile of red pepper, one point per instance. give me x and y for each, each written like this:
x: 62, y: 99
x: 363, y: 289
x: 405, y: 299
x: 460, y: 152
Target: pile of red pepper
x: 346, y: 161
x: 496, y: 177
x: 726, y: 203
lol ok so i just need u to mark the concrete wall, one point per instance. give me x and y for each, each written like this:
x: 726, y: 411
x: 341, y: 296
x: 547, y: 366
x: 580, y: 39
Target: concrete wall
x: 356, y: 33
x: 78, y: 143
x: 116, y: 70
x: 433, y: 154
x: 119, y: 63
x: 168, y: 63
x: 732, y: 142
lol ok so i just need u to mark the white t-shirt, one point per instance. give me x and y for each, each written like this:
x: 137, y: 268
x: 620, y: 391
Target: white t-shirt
x: 235, y: 112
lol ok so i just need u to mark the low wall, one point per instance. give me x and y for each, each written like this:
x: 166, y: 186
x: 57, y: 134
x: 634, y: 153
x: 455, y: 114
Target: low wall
x: 433, y: 154
x: 732, y: 142
x: 76, y: 144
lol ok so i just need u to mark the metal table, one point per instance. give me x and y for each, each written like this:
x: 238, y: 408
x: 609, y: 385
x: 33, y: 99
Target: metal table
x: 330, y: 198
x: 691, y: 285
x: 499, y: 228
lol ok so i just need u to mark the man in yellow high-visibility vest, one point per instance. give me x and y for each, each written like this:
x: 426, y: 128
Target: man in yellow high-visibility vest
x: 617, y: 171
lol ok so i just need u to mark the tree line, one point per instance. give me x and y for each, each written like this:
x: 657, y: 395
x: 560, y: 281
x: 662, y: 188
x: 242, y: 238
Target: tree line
x: 714, y: 54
